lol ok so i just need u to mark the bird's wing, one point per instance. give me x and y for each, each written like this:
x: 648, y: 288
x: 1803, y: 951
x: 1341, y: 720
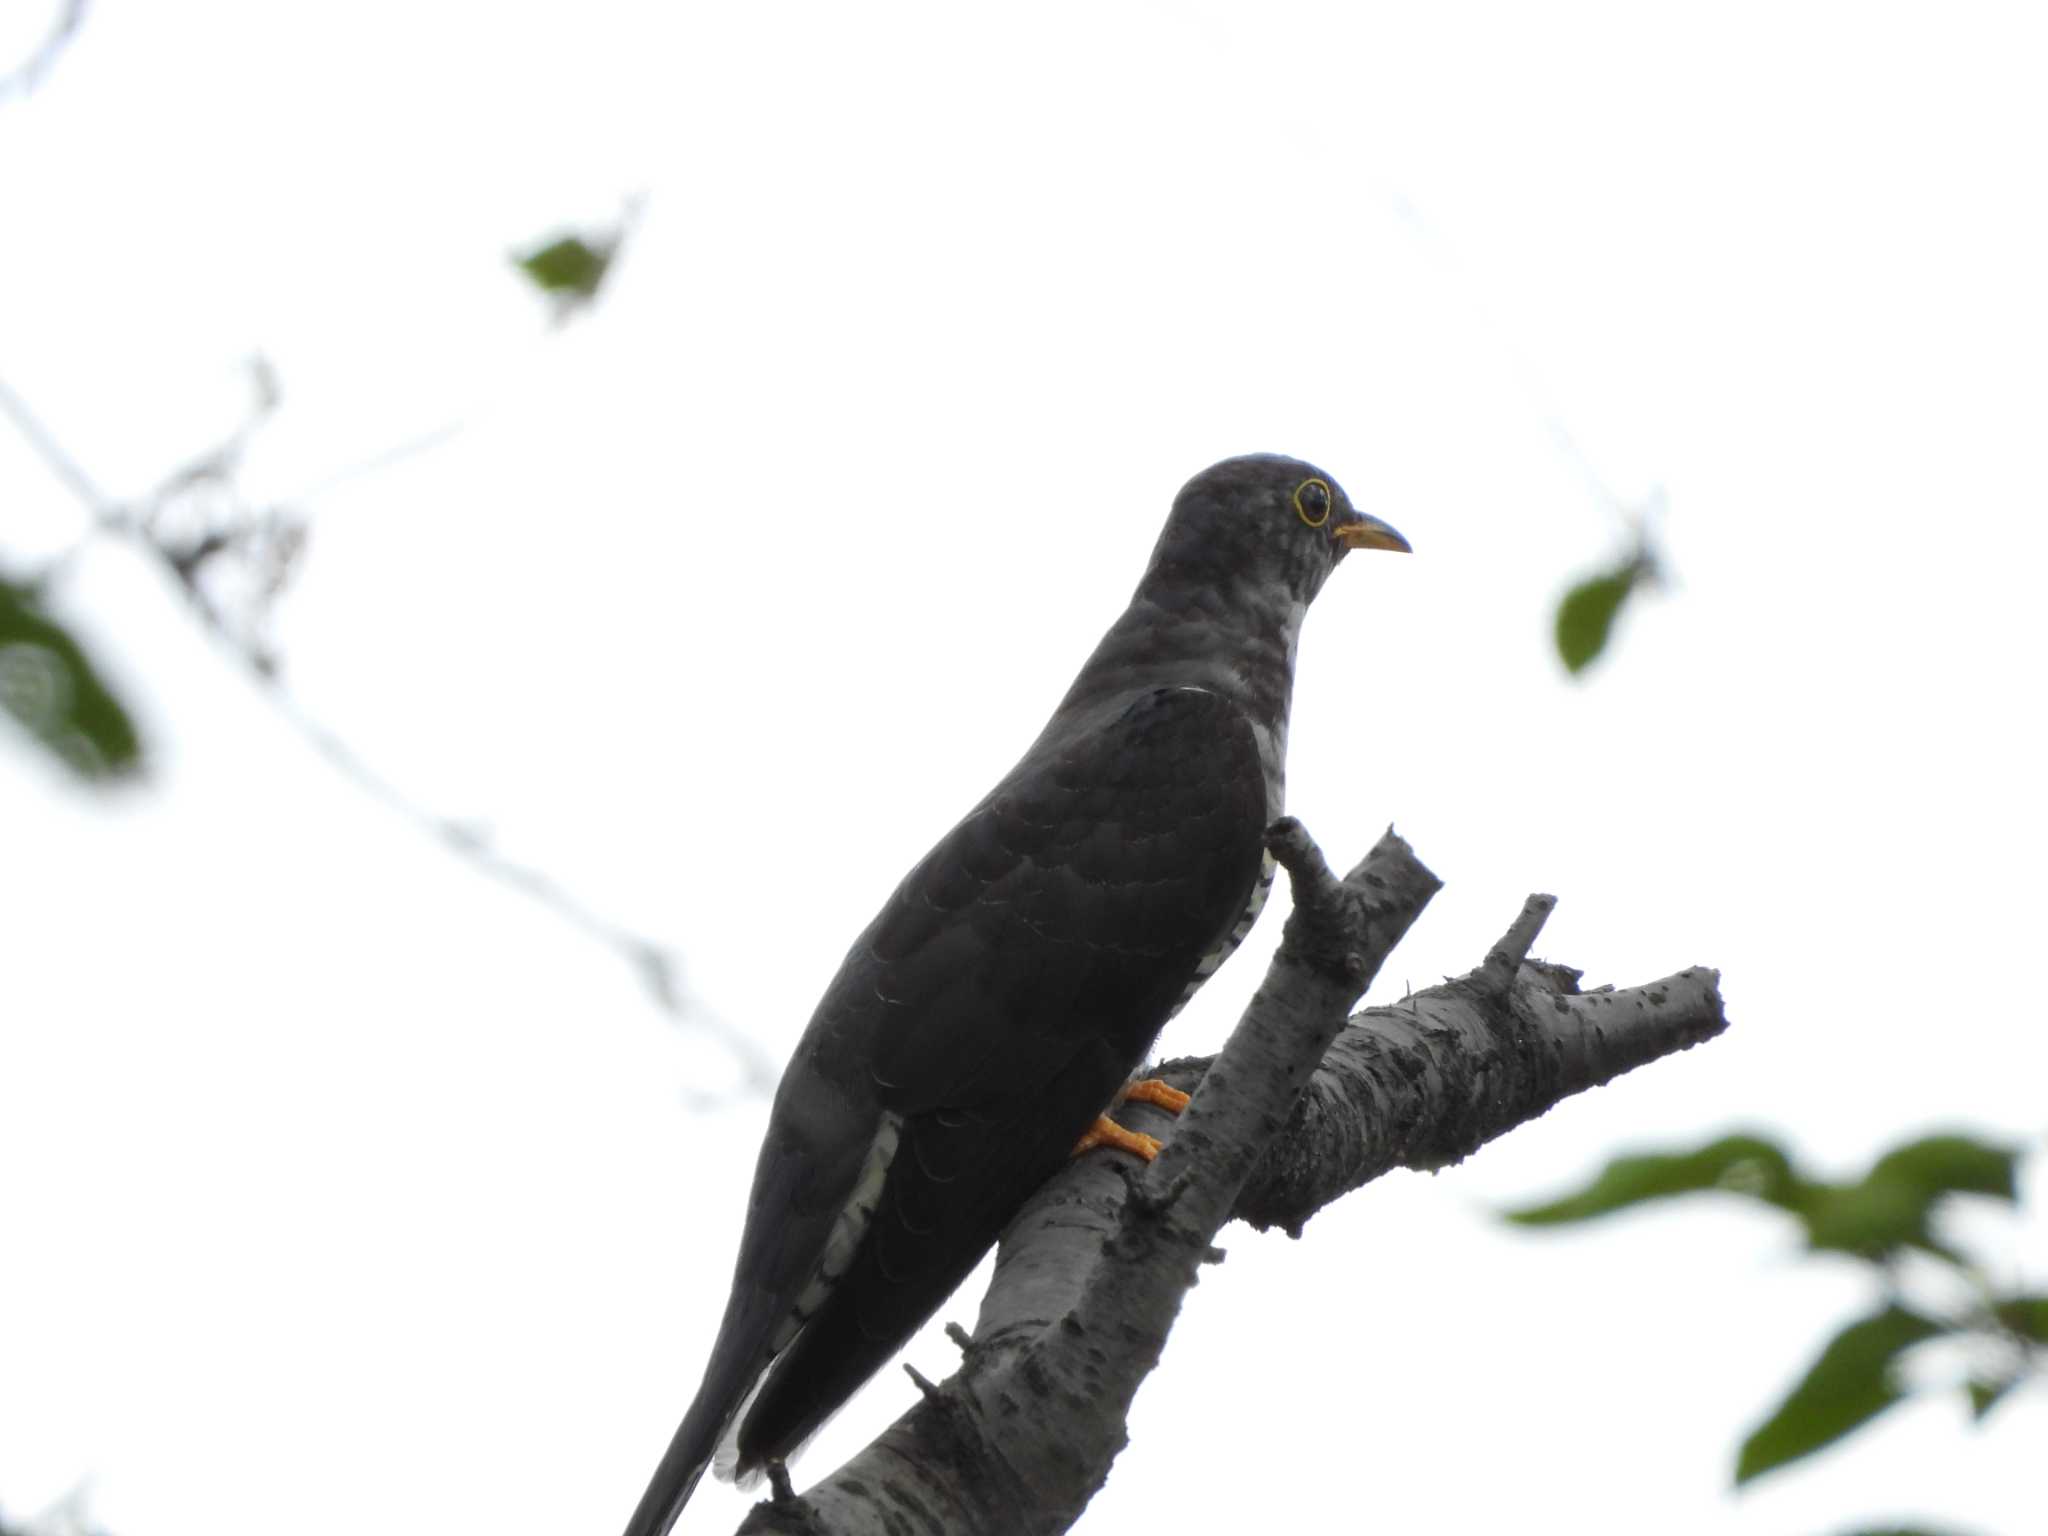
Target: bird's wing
x: 996, y: 1005
x: 1072, y: 904
x: 1017, y: 972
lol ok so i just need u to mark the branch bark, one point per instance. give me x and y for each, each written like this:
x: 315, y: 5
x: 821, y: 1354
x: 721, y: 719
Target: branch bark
x: 1300, y: 1107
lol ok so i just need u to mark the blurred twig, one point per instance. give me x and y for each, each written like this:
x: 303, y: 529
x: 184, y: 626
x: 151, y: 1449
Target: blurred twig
x: 28, y: 74
x: 198, y: 527
x: 1586, y: 613
x: 69, y: 1516
x: 398, y: 453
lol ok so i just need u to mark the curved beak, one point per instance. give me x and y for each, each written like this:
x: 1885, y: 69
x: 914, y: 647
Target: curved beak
x: 1362, y: 532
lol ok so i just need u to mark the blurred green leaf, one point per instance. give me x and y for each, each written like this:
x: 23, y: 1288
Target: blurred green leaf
x: 1744, y: 1165
x: 52, y: 689
x: 569, y: 267
x: 1585, y: 617
x: 1957, y: 1164
x: 1848, y: 1386
x: 1874, y: 1218
x: 2026, y: 1316
x: 1891, y: 1208
x: 1985, y: 1395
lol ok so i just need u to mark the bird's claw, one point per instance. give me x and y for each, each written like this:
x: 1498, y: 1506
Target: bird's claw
x: 1158, y: 1093
x: 1105, y: 1132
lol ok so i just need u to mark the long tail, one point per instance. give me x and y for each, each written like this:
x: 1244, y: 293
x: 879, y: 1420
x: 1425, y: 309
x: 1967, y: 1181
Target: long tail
x: 688, y: 1455
x: 682, y: 1465
x: 728, y: 1386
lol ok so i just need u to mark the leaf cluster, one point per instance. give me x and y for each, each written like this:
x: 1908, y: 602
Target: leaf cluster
x: 1889, y: 1213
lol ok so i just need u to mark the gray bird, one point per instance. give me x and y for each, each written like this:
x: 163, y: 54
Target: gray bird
x: 986, y: 1021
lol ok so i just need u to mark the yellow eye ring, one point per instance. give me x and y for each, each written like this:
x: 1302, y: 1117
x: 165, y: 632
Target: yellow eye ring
x: 1313, y: 500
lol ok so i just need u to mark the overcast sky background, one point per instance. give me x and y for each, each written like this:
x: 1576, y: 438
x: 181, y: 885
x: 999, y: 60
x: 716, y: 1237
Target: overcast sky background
x: 343, y: 1189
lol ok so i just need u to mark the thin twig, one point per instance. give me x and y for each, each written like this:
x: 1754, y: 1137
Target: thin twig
x: 423, y: 442
x: 1504, y: 960
x: 658, y: 966
x: 28, y: 74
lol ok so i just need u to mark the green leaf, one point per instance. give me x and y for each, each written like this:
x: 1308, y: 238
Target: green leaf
x: 570, y: 267
x: 1744, y: 1165
x: 54, y: 692
x: 1848, y: 1386
x: 1586, y: 615
x: 1892, y: 1206
x: 1985, y: 1394
x: 2026, y: 1316
x: 1874, y: 1218
x: 1957, y: 1164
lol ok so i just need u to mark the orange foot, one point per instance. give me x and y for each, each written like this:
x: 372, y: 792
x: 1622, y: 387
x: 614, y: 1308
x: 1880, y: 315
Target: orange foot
x: 1107, y: 1133
x: 1154, y: 1091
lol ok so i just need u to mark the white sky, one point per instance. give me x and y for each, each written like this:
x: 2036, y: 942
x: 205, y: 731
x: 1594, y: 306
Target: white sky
x: 342, y: 1187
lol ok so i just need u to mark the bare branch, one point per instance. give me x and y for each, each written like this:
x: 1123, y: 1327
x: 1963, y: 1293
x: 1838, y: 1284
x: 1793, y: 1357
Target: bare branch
x: 1091, y: 1273
x: 1506, y: 957
x: 1397, y: 1089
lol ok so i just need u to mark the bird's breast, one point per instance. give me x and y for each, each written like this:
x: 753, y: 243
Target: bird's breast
x: 1208, y: 965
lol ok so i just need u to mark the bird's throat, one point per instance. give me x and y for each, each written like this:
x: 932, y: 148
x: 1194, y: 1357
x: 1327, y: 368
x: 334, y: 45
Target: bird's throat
x: 1238, y: 646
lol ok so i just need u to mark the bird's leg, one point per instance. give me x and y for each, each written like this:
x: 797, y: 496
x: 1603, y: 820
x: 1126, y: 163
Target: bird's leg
x: 1107, y: 1133
x: 1156, y: 1091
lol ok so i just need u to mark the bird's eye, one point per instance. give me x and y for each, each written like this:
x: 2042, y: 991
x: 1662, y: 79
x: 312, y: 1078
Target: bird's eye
x: 1312, y: 501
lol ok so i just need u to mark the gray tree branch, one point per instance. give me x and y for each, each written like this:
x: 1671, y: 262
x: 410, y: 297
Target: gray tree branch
x: 1302, y: 1105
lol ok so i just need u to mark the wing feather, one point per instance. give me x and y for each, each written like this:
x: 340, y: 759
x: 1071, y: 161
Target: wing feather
x: 1019, y: 973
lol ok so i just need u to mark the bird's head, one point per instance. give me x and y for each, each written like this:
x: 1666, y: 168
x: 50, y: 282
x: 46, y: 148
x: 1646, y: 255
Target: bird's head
x: 1263, y: 522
